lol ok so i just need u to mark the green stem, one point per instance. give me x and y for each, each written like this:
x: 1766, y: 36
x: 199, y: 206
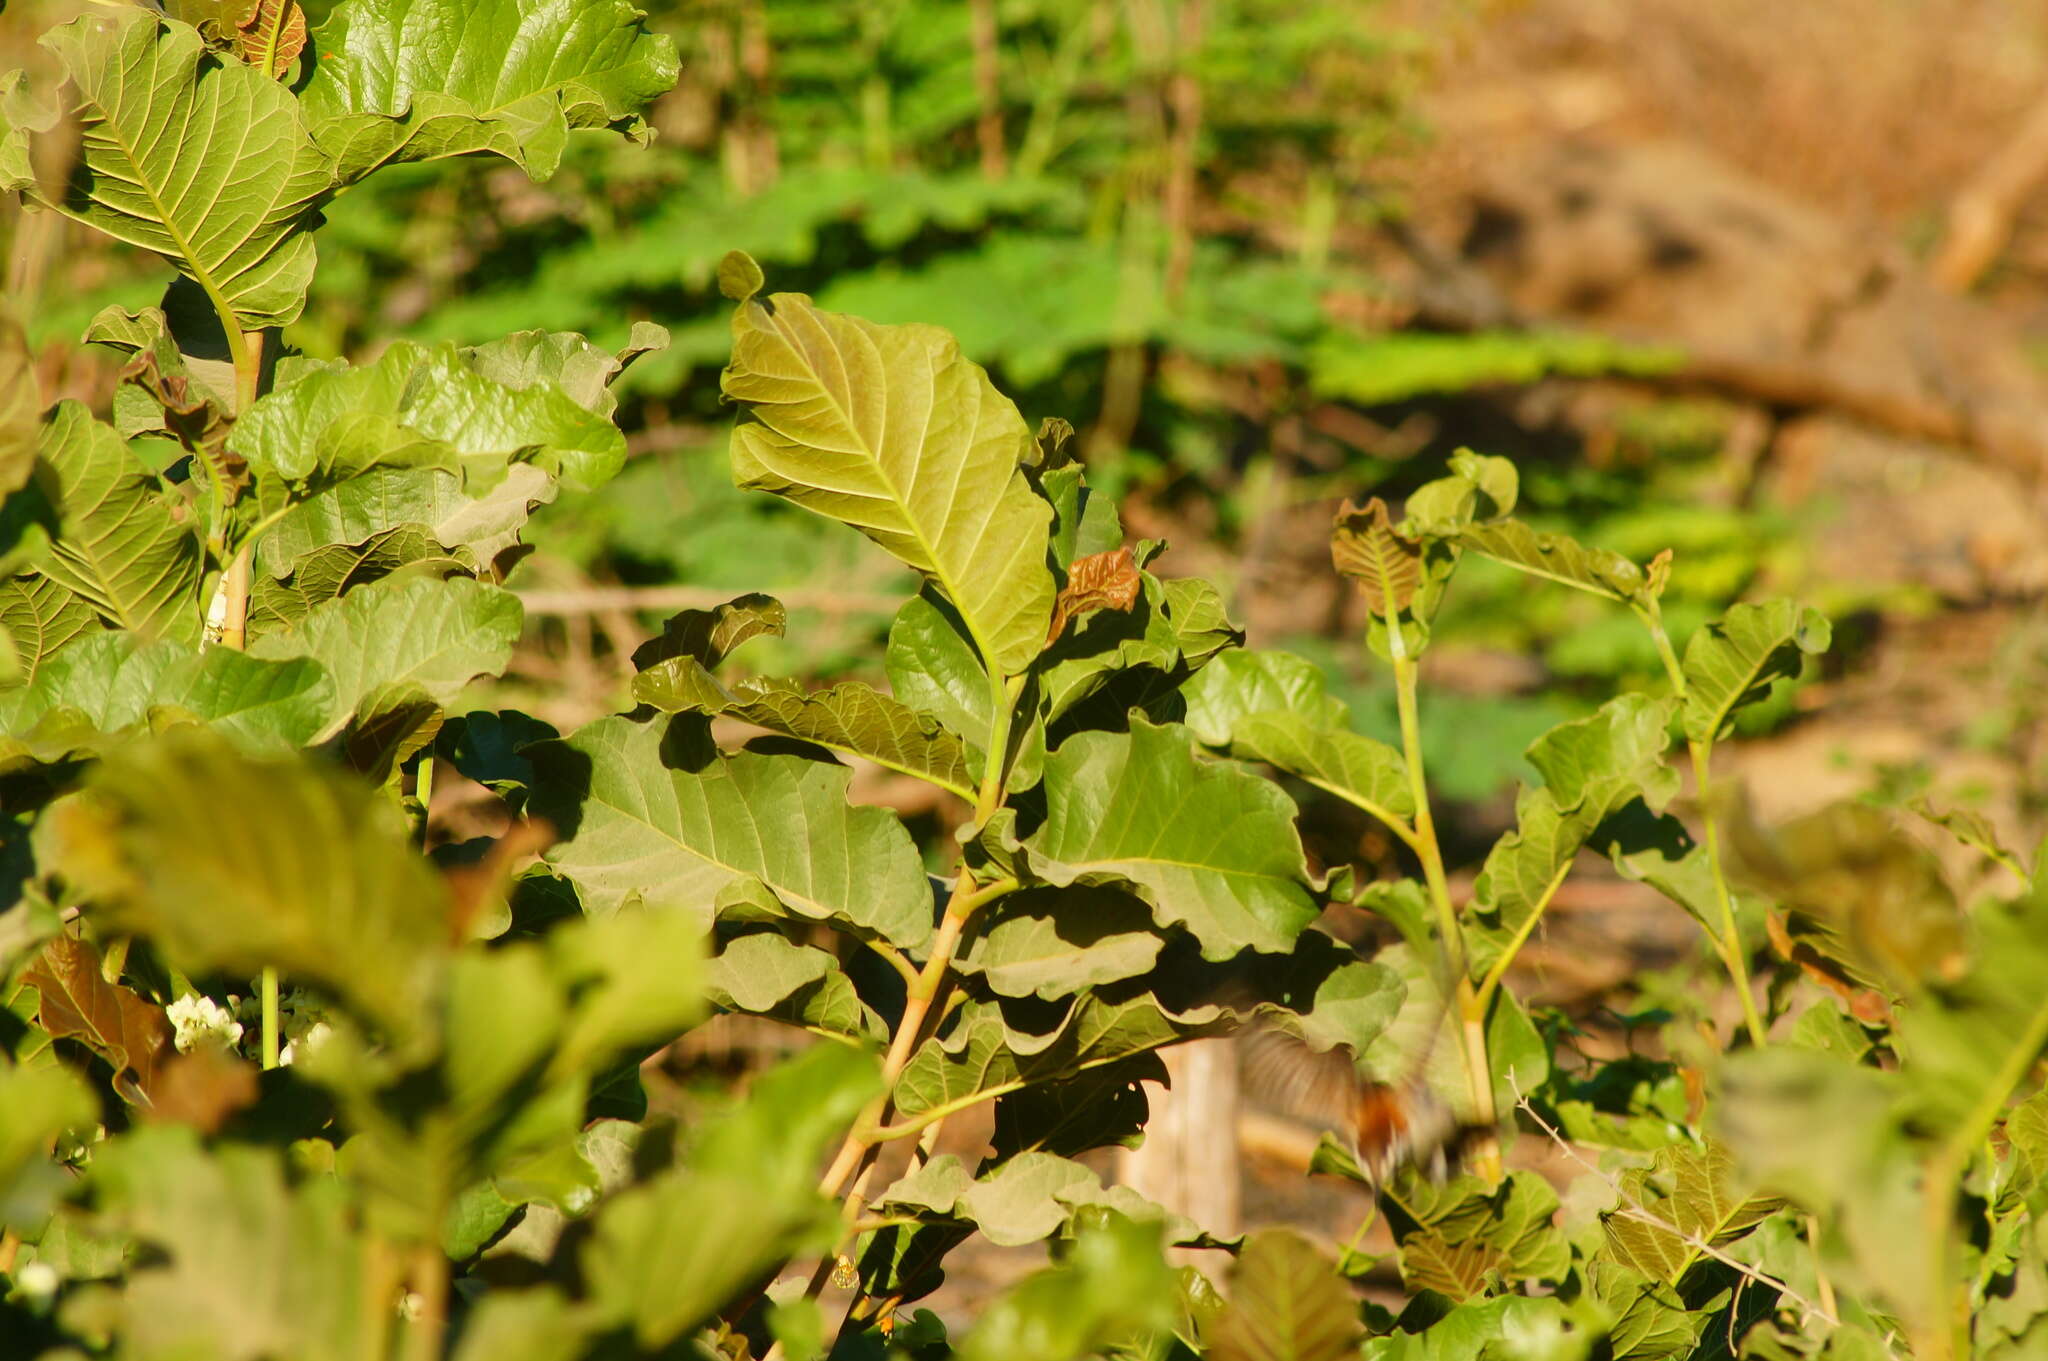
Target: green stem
x: 268, y: 985
x: 423, y: 794
x: 1471, y: 1009
x: 1491, y: 982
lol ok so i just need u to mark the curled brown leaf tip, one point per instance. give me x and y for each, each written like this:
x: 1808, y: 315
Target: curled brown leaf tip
x: 1100, y: 581
x: 1386, y: 564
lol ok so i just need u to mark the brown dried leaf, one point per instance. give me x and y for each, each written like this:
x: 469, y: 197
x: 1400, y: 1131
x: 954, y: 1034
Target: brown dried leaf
x: 276, y: 28
x: 1100, y: 581
x: 78, y: 1003
x: 1366, y: 547
x: 203, y: 1088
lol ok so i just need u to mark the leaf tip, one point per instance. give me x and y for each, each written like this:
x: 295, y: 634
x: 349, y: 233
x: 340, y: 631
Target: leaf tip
x: 739, y: 277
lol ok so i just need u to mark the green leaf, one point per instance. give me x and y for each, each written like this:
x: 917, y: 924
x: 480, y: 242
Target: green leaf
x: 566, y: 361
x: 932, y: 667
x: 1287, y: 1303
x: 396, y: 82
x: 669, y: 1253
x: 331, y: 571
x: 1732, y: 661
x: 1210, y: 847
x: 311, y: 872
x: 372, y: 503
x: 983, y: 1053
x: 421, y: 407
x: 238, y: 1264
x: 1272, y: 707
x: 766, y: 975
x: 37, y: 1106
x: 40, y: 617
x: 437, y: 635
x: 21, y: 401
x: 113, y: 681
x: 1055, y: 942
x: 119, y: 547
x: 890, y: 430
x: 1555, y: 557
x: 1112, y: 1288
x: 850, y: 717
x: 1465, y: 1234
x: 708, y: 637
x: 1677, y: 1208
x: 206, y: 162
x: 678, y: 829
x: 1593, y: 768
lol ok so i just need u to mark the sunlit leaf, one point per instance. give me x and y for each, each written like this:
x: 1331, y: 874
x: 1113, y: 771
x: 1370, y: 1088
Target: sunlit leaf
x: 437, y: 635
x: 397, y: 82
x: 205, y: 162
x: 1732, y: 661
x: 1210, y: 847
x: 119, y: 547
x: 889, y: 429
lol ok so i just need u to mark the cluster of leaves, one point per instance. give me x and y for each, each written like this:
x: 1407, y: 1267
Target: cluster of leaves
x: 239, y: 618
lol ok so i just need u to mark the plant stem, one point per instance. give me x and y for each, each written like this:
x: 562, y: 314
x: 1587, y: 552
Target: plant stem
x: 1471, y: 1007
x: 268, y: 986
x: 430, y: 1282
x: 1729, y: 942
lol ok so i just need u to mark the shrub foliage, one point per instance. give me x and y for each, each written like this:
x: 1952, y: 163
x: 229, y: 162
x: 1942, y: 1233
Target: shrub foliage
x: 276, y: 1082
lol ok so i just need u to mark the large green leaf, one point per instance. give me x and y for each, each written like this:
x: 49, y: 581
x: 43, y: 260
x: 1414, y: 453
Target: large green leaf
x: 849, y: 717
x: 237, y: 864
x: 1676, y: 1210
x: 114, y: 681
x: 985, y: 1054
x: 1557, y: 557
x: 204, y: 161
x: 1210, y: 847
x: 334, y: 569
x: 1111, y: 1294
x: 425, y: 407
x: 437, y: 635
x: 891, y: 430
x: 1272, y: 707
x: 40, y: 617
x: 397, y: 81
x: 372, y: 503
x: 119, y: 546
x: 767, y: 975
x: 677, y: 826
x: 1055, y: 942
x: 1732, y: 661
x: 1287, y: 1303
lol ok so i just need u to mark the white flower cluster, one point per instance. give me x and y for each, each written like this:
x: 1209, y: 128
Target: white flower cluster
x: 196, y: 1018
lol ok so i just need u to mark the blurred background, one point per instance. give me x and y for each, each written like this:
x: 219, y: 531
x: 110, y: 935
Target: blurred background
x: 1763, y: 283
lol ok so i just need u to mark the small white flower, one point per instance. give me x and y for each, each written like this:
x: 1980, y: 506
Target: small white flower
x: 410, y: 1305
x: 197, y: 1018
x: 37, y: 1280
x: 304, y: 1044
